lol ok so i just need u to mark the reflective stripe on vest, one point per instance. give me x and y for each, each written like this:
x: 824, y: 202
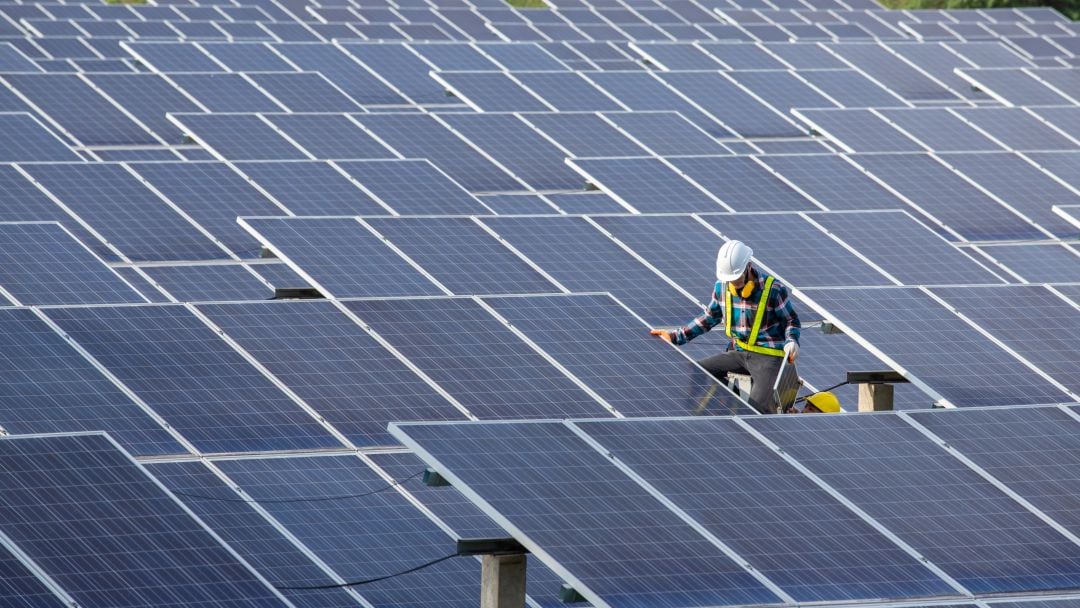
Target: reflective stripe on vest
x: 751, y: 344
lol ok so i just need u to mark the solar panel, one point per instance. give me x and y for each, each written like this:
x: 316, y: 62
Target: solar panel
x: 250, y: 534
x: 172, y: 56
x: 138, y: 154
x: 584, y: 134
x: 140, y: 283
x: 125, y: 212
x: 305, y: 92
x: 640, y: 552
x: 858, y: 130
x: 742, y: 56
x: 1013, y: 86
x: 665, y: 133
x: 209, y: 283
x: 192, y: 378
x: 736, y: 109
x: 904, y: 248
x: 643, y: 92
x: 42, y: 263
x: 462, y: 256
x: 213, y: 195
x: 530, y: 157
x: 401, y: 68
x: 832, y: 181
x: 350, y: 76
x: 1014, y: 313
x: 743, y: 184
x: 238, y: 137
x: 940, y: 63
x: 517, y: 57
x: 939, y: 192
x: 951, y: 362
x: 892, y: 71
x: 585, y: 203
x: 939, y: 130
x: 1065, y: 166
x: 679, y: 259
x: 781, y: 90
x: 857, y: 455
x: 851, y: 89
x: 568, y: 91
x: 29, y: 140
x: 328, y: 136
x: 802, y: 56
x: 148, y: 98
x: 637, y: 374
x: 816, y: 260
x: 518, y: 204
x: 79, y: 109
x: 559, y: 244
x: 1066, y: 118
x: 333, y: 365
x: 1037, y: 262
x: 988, y: 54
x: 489, y: 91
x: 364, y: 538
x: 279, y: 275
x: 310, y: 188
x: 448, y: 57
x: 127, y: 543
x: 1061, y: 79
x: 1017, y: 129
x: 413, y: 187
x: 19, y: 585
x: 681, y: 458
x: 1021, y: 185
x: 252, y: 57
x: 421, y: 136
x: 645, y: 184
x: 225, y: 93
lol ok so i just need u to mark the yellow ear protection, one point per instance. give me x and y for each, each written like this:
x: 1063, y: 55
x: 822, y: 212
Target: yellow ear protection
x: 747, y: 289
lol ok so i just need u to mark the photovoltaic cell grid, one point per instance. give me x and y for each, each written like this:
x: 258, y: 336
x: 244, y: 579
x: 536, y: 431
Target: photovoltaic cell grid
x: 209, y: 282
x: 413, y: 187
x: 28, y: 140
x: 1038, y: 263
x: 309, y: 188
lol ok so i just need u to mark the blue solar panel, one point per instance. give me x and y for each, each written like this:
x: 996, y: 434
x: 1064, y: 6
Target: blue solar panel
x: 353, y: 78
x: 635, y: 373
x: 646, y: 184
x: 447, y: 57
x: 250, y: 534
x: 400, y: 67
x: 420, y: 136
x: 41, y: 263
x: 209, y: 283
x: 896, y: 325
x: 940, y: 63
x: 585, y: 203
x: 192, y: 378
x: 491, y: 91
x: 568, y: 91
x: 1015, y: 87
x: 584, y: 134
x: 677, y: 56
x: 781, y: 90
x: 341, y: 257
x: 940, y: 130
x: 279, y: 275
x: 818, y: 260
x: 141, y: 284
x: 329, y: 136
x: 518, y: 57
x: 127, y: 543
x: 462, y: 256
x: 1066, y: 118
x: 743, y: 184
x: 858, y: 131
x: 832, y: 181
x: 1039, y: 262
x: 310, y: 188
x: 81, y: 111
x: 742, y: 56
x: 476, y: 359
x: 666, y: 133
x: 639, y: 552
x: 148, y: 98
x: 851, y: 89
x: 1014, y: 313
x: 559, y: 244
x: 20, y: 587
x: 1064, y: 165
x: 738, y: 110
x: 125, y: 212
x: 641, y: 91
x: 681, y: 459
x: 858, y: 456
x: 225, y: 93
x: 906, y: 249
x: 520, y: 149
x: 333, y: 365
x: 518, y: 204
x: 246, y: 57
x: 367, y: 537
x: 26, y: 139
x: 173, y: 56
x: 1017, y: 129
x: 239, y: 137
x: 892, y: 71
x: 679, y: 259
x: 946, y: 196
x: 213, y: 195
x: 306, y: 92
x: 413, y: 187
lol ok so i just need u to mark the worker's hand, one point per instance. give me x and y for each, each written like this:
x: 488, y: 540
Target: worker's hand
x: 666, y: 335
x: 791, y: 351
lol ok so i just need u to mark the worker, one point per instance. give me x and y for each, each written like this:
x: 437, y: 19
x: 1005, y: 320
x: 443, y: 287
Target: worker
x: 758, y: 317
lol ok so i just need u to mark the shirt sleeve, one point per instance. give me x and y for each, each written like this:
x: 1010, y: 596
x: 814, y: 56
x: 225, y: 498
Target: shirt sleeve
x: 713, y: 316
x: 785, y: 313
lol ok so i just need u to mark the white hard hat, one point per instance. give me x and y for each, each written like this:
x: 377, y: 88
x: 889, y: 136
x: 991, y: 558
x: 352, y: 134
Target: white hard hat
x: 731, y: 260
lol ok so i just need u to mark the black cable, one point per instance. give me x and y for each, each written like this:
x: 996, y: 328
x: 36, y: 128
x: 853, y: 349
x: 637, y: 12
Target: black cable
x: 286, y: 500
x: 369, y: 580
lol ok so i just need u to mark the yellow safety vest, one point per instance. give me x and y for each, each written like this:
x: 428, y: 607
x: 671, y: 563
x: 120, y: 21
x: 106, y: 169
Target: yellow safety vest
x: 751, y: 344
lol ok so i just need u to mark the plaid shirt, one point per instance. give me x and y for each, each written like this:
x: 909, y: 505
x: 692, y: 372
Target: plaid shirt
x: 780, y: 324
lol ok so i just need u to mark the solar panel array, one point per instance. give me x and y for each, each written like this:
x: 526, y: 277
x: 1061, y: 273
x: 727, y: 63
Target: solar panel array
x: 493, y: 205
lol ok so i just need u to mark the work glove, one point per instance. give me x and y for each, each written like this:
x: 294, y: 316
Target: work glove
x: 791, y: 351
x: 666, y: 335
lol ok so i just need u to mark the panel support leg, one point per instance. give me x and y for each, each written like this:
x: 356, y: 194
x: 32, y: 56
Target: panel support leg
x: 502, y: 581
x: 875, y: 397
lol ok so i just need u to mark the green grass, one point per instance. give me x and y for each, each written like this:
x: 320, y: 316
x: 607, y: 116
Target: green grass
x: 1070, y: 8
x: 528, y: 3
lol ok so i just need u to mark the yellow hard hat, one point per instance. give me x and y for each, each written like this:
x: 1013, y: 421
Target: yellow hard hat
x: 825, y: 402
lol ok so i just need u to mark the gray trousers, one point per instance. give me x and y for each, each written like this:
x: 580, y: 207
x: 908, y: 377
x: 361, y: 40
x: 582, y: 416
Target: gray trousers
x: 762, y: 369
